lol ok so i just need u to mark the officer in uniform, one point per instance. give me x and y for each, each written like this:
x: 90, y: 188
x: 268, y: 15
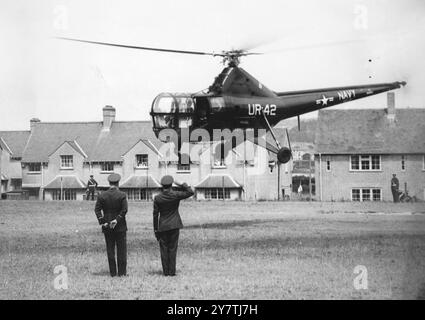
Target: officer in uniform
x: 91, y: 187
x: 113, y: 203
x: 394, y: 188
x: 167, y: 222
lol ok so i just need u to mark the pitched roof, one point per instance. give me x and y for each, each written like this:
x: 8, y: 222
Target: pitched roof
x: 370, y: 131
x: 89, y: 139
x: 16, y: 141
x: 99, y: 145
x: 4, y: 146
x: 140, y: 182
x: 148, y: 143
x: 73, y: 145
x: 218, y: 181
x: 68, y: 182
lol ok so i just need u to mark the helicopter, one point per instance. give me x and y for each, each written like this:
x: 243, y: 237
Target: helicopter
x: 237, y: 100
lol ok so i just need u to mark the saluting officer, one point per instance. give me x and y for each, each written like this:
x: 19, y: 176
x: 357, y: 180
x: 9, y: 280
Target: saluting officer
x: 113, y: 203
x: 91, y: 187
x: 167, y: 222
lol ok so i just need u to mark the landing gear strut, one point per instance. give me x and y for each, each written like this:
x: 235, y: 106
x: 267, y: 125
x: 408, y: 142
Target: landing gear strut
x: 284, y: 154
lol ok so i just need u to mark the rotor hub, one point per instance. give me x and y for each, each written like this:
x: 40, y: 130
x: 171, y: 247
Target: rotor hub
x: 232, y: 57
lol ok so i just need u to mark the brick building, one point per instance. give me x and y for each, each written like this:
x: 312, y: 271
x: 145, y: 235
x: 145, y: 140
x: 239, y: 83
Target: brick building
x: 59, y: 158
x: 12, y: 145
x: 357, y: 151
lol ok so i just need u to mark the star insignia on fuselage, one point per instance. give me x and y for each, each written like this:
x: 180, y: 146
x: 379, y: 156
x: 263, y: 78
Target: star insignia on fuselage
x: 324, y: 100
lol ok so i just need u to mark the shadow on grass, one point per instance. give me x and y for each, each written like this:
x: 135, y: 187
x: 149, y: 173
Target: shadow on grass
x: 155, y: 273
x: 264, y: 242
x: 102, y: 273
x: 230, y: 224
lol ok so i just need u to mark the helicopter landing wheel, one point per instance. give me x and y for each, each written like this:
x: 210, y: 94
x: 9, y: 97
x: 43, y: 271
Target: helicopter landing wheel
x: 284, y: 155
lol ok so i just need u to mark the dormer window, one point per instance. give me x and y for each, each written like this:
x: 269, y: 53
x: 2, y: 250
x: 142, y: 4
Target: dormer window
x: 183, y: 166
x: 67, y: 162
x: 142, y: 161
x: 219, y: 157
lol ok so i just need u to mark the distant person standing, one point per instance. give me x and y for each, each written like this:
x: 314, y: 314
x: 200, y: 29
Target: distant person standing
x: 91, y: 187
x: 167, y: 222
x: 395, y: 188
x: 113, y: 204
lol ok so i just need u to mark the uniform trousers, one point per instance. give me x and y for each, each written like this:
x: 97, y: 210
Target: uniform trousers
x: 118, y: 240
x: 168, y: 242
x: 395, y: 194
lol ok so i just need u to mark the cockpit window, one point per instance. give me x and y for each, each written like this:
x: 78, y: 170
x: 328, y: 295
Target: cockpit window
x: 164, y: 104
x: 163, y: 121
x: 185, y: 104
x: 217, y: 103
x: 173, y: 110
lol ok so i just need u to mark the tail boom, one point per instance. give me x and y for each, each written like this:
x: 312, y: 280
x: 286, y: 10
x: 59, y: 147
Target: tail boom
x: 294, y: 103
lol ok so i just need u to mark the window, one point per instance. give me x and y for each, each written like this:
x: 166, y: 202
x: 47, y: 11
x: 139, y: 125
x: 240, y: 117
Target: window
x: 68, y: 194
x: 217, y: 193
x: 355, y: 160
x: 34, y: 167
x: 142, y: 160
x: 181, y: 166
x: 365, y: 162
x: 355, y: 195
x: 403, y: 163
x: 376, y: 162
x: 219, y: 160
x: 328, y: 164
x: 366, y: 194
x: 138, y: 194
x: 67, y: 162
x: 376, y: 194
x: 16, y: 184
x: 107, y: 166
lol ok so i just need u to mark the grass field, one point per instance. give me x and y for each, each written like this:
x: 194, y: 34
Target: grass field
x: 228, y: 250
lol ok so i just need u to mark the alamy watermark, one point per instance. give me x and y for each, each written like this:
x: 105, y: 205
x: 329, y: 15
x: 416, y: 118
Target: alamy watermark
x: 61, y: 280
x: 360, y: 282
x: 218, y: 148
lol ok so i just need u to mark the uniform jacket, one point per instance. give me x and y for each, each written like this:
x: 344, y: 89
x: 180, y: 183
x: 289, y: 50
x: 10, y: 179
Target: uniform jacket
x: 394, y: 183
x: 166, y: 209
x: 113, y: 204
x: 92, y: 183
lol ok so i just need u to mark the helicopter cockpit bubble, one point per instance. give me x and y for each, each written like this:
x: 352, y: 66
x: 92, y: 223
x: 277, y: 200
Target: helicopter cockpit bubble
x: 172, y: 110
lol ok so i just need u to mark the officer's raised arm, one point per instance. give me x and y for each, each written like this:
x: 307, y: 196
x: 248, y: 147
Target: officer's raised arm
x: 186, y: 193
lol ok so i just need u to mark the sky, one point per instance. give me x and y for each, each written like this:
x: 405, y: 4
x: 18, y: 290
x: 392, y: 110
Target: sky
x: 306, y: 44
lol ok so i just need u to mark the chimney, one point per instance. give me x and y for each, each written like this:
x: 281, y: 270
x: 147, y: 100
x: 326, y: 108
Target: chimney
x: 33, y: 122
x: 391, y: 106
x: 108, y: 117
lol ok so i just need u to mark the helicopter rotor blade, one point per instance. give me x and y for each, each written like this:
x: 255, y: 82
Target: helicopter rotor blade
x: 138, y: 47
x: 316, y: 45
x: 253, y: 44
